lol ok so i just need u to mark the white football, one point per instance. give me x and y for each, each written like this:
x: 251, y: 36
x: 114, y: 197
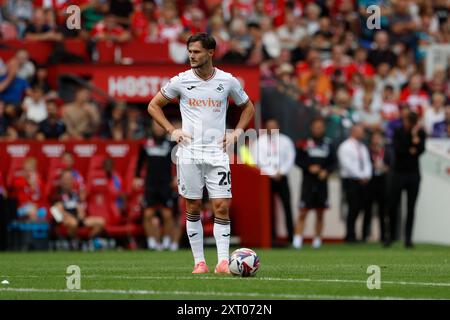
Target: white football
x: 244, y: 262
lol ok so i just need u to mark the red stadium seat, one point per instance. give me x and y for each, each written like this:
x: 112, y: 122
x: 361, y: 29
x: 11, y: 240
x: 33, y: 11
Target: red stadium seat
x: 15, y: 169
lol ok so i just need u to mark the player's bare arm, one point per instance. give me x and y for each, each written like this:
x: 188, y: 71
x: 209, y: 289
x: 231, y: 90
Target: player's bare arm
x: 248, y: 110
x: 155, y: 110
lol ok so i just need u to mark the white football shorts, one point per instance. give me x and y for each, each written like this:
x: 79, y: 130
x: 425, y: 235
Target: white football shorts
x: 192, y: 176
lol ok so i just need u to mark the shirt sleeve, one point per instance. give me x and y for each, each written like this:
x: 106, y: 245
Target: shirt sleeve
x: 237, y: 92
x: 171, y: 89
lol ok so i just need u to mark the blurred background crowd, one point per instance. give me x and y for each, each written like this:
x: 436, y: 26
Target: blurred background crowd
x: 316, y: 58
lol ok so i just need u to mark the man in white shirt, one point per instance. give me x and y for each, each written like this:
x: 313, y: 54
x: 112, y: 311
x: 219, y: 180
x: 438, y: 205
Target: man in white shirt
x: 203, y: 93
x: 275, y: 155
x: 356, y: 171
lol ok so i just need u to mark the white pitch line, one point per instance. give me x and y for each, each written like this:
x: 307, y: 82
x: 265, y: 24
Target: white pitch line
x: 204, y: 293
x: 403, y: 283
x: 426, y: 284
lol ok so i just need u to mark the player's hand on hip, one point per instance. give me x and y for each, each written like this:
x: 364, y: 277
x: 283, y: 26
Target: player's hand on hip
x: 180, y: 136
x: 229, y: 139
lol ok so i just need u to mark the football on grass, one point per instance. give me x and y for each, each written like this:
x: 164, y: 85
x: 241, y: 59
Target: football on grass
x: 244, y: 262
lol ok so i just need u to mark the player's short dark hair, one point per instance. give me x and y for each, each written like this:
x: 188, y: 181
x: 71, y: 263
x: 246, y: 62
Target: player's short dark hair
x: 208, y: 41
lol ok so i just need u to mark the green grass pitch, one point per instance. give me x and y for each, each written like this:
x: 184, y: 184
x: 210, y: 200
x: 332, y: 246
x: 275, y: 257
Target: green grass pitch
x: 335, y: 271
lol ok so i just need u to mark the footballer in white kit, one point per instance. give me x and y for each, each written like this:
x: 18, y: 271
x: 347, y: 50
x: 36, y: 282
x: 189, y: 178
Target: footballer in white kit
x: 202, y: 161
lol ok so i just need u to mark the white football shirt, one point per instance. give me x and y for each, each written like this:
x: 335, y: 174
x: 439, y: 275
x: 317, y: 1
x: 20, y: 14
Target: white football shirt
x: 203, y: 105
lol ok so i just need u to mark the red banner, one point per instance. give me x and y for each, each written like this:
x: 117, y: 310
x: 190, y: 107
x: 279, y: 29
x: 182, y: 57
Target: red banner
x: 139, y: 83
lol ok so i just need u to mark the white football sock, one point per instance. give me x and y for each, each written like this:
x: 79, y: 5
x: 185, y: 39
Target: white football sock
x: 194, y: 230
x: 165, y: 242
x: 317, y: 242
x: 151, y: 243
x: 222, y: 232
x: 297, y: 242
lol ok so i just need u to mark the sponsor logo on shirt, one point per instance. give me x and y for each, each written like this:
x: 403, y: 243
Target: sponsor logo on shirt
x: 204, y: 103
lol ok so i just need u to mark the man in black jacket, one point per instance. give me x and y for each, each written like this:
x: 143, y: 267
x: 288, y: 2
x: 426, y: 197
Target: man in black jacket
x: 158, y: 194
x: 408, y: 145
x: 317, y: 158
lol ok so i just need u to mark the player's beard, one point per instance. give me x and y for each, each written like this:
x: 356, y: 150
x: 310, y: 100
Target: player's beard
x: 199, y: 66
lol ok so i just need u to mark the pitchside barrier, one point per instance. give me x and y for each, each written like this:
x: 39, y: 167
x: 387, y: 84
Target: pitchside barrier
x: 250, y: 205
x: 433, y: 204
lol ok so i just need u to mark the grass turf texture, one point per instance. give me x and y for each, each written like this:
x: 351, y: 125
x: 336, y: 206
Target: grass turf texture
x: 333, y: 272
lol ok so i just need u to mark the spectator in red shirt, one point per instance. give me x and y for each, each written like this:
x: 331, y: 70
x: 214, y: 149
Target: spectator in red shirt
x: 109, y: 29
x: 68, y: 163
x: 416, y: 98
x: 339, y: 63
x: 29, y: 193
x: 361, y: 64
x: 143, y: 21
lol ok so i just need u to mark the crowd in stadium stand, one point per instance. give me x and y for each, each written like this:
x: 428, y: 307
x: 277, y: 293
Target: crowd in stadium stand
x: 321, y: 53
